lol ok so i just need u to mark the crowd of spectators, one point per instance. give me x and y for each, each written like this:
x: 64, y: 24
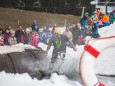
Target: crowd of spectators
x: 88, y: 26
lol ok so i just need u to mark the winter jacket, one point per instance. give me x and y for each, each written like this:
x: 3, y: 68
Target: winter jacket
x: 19, y: 37
x: 105, y: 18
x: 94, y: 18
x: 76, y: 34
x: 34, y: 25
x: 83, y: 21
x: 36, y: 31
x: 12, y: 41
x: 98, y: 13
x: 48, y: 34
x: 25, y: 39
x: 34, y: 40
x: 6, y: 37
x: 42, y: 38
x: 113, y: 19
x: 100, y: 22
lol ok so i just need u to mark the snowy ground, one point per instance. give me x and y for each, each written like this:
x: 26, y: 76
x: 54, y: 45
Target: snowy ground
x: 104, y: 65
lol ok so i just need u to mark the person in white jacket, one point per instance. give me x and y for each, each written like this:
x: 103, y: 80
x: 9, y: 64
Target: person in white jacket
x: 12, y: 40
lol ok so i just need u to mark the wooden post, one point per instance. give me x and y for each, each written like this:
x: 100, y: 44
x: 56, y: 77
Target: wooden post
x: 82, y: 11
x: 18, y: 22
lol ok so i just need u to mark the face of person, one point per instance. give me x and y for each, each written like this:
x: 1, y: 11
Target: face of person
x: 13, y: 34
x: 86, y: 15
x: 78, y: 25
x: 20, y: 28
x: 98, y: 9
x: 35, y: 21
x: 57, y: 35
x: 27, y: 32
x: 7, y: 31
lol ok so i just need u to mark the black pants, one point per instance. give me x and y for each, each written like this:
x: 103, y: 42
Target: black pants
x: 56, y: 54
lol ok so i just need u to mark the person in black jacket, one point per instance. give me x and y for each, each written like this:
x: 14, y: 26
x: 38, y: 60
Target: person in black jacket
x: 77, y: 32
x: 19, y: 33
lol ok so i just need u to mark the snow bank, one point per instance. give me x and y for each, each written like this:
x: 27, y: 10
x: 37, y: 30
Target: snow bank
x: 25, y: 80
x: 15, y: 48
x: 105, y: 64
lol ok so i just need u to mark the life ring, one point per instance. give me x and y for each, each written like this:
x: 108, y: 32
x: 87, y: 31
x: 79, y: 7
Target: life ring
x: 88, y: 57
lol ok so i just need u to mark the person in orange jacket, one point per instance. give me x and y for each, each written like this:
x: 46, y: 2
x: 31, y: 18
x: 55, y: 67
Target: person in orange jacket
x: 105, y: 19
x: 98, y: 12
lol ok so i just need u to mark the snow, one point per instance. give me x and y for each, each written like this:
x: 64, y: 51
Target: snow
x: 104, y: 65
x: 25, y: 80
x: 15, y: 48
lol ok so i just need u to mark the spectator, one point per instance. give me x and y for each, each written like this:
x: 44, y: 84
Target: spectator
x: 12, y: 40
x: 100, y: 22
x: 76, y: 33
x: 7, y: 35
x: 94, y: 18
x: 81, y: 35
x: 48, y: 34
x: 34, y: 25
x: 95, y: 22
x: 27, y: 36
x: 98, y: 12
x: 113, y: 15
x: 86, y: 30
x: 42, y: 36
x: 36, y: 29
x: 34, y: 39
x: 106, y: 19
x: 10, y: 29
x: 111, y: 19
x: 84, y: 20
x: 95, y: 33
x: 68, y: 33
x: 19, y: 34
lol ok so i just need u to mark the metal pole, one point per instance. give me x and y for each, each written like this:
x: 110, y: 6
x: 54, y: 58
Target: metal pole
x: 106, y: 5
x: 106, y: 8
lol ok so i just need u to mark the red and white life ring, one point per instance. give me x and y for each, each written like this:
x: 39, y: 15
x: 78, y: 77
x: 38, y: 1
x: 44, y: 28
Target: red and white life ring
x: 88, y: 57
